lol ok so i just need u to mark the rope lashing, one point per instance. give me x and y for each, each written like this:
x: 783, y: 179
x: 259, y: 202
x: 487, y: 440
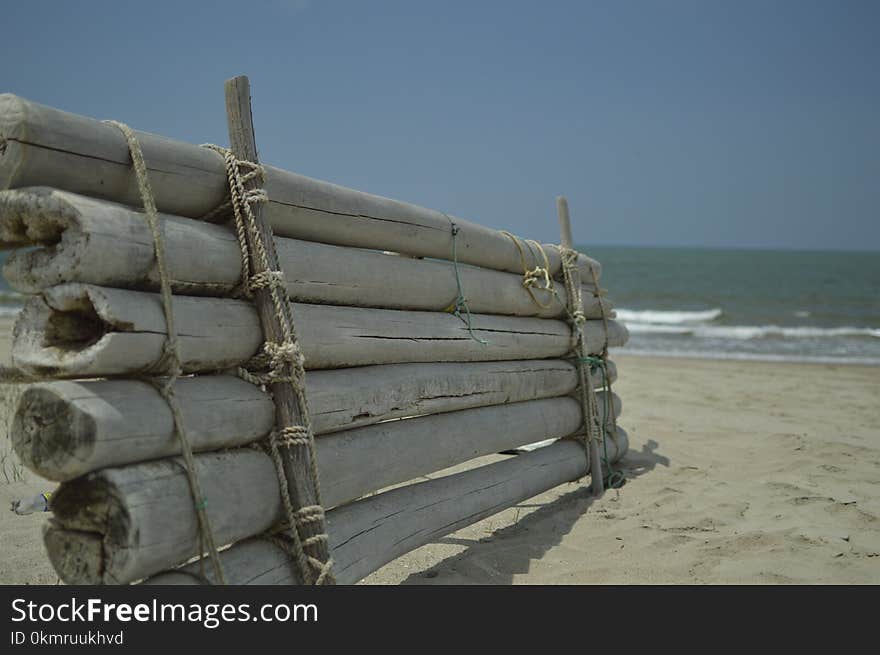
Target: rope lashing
x: 537, y: 278
x: 279, y: 362
x: 571, y: 275
x: 239, y: 196
x: 293, y: 435
x: 460, y: 303
x: 599, y: 295
x: 169, y: 361
x: 613, y: 479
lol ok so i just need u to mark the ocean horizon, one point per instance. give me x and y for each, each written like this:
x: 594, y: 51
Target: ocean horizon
x: 746, y: 304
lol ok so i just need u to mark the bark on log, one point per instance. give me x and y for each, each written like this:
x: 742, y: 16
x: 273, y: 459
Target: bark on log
x: 42, y: 146
x: 76, y: 330
x: 369, y: 533
x: 62, y: 430
x: 139, y: 519
x: 98, y: 242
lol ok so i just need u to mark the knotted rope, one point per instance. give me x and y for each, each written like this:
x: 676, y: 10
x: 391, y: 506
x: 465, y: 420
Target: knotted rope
x: 278, y: 362
x: 613, y: 479
x: 571, y: 275
x: 537, y: 278
x: 460, y: 303
x: 169, y: 361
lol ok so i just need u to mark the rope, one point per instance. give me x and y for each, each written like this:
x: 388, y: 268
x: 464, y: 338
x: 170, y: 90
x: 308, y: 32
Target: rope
x: 571, y: 274
x: 533, y: 277
x: 595, y: 428
x: 613, y: 479
x: 169, y: 361
x: 277, y: 363
x: 460, y: 301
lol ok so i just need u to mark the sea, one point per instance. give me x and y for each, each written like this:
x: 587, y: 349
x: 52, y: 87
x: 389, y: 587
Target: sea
x: 731, y: 304
x: 746, y: 304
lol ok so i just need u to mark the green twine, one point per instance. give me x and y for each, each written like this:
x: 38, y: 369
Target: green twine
x: 613, y: 479
x: 460, y: 300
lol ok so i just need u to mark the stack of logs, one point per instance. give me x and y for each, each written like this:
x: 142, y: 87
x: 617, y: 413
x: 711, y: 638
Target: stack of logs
x: 398, y: 387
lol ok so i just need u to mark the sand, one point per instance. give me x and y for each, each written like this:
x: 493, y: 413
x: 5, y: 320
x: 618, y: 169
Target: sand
x: 738, y: 472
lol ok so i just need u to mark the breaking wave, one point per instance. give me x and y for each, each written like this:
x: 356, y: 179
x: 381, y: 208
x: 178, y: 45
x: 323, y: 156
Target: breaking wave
x: 663, y: 317
x: 743, y: 332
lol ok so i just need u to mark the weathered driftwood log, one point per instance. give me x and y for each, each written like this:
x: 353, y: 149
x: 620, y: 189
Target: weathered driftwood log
x: 76, y: 330
x: 120, y: 524
x: 42, y: 146
x: 369, y: 533
x: 98, y: 242
x: 65, y: 429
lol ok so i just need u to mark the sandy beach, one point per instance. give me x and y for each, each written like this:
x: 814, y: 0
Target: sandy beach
x: 738, y: 472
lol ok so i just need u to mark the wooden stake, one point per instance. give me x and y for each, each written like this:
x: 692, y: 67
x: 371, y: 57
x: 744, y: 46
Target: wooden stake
x: 302, y: 483
x: 566, y: 240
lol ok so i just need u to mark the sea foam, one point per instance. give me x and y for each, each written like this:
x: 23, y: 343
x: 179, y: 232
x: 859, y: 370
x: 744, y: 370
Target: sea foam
x: 665, y: 317
x: 744, y: 332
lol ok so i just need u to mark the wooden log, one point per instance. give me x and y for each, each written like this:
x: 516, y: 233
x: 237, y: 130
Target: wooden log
x: 145, y: 521
x: 42, y: 146
x: 65, y: 429
x: 76, y: 330
x: 93, y: 241
x: 369, y: 533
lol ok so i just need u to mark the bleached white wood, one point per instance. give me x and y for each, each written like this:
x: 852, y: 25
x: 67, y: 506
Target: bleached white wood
x: 144, y: 512
x: 64, y: 429
x: 42, y: 146
x: 77, y: 330
x: 369, y: 533
x: 82, y: 239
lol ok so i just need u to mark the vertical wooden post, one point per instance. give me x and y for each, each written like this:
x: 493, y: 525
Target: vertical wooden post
x: 598, y: 483
x: 303, y: 487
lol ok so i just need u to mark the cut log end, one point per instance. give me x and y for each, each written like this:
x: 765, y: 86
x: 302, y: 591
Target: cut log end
x: 50, y: 337
x: 90, y: 524
x: 76, y: 556
x: 50, y: 434
x: 34, y: 216
x: 74, y: 329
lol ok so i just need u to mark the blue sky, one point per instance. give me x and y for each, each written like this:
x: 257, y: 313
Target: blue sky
x: 678, y: 122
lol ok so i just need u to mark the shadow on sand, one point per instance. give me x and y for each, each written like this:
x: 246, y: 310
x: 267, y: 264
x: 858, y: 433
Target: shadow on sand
x: 545, y: 526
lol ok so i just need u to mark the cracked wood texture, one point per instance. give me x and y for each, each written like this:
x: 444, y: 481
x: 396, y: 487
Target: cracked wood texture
x: 142, y: 522
x: 82, y: 239
x: 77, y: 330
x: 65, y: 429
x: 43, y: 146
x: 371, y: 532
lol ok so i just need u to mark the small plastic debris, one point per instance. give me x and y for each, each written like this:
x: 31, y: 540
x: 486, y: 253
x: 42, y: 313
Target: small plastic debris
x: 38, y: 503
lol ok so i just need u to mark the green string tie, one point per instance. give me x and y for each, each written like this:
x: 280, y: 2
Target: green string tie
x: 460, y: 300
x: 613, y: 479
